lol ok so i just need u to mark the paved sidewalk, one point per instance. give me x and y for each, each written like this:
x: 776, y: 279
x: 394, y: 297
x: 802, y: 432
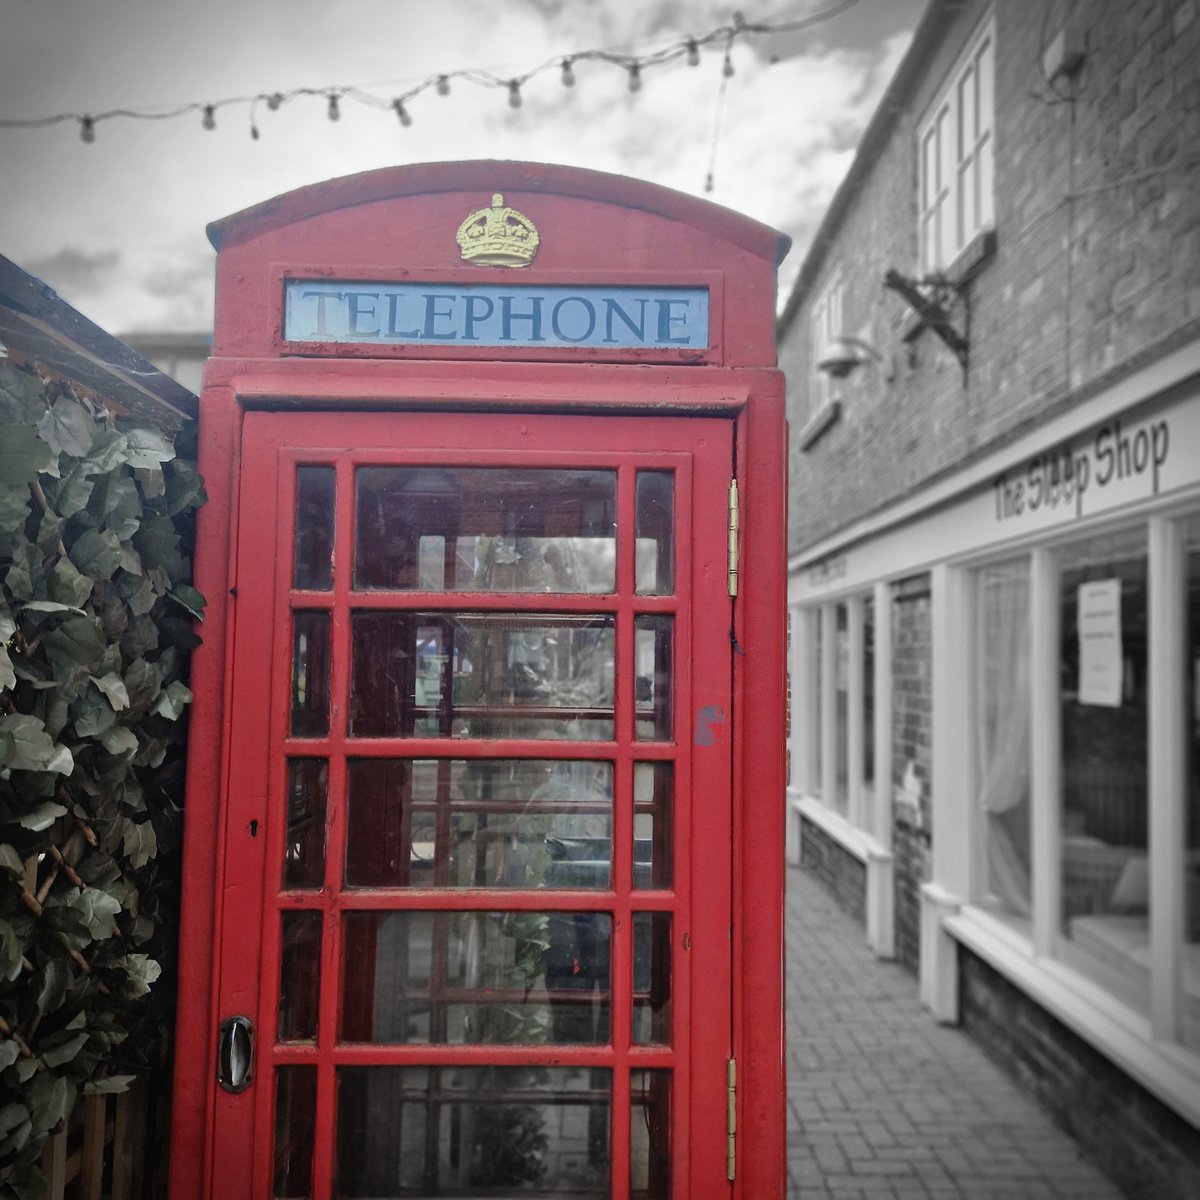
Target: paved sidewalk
x: 884, y: 1102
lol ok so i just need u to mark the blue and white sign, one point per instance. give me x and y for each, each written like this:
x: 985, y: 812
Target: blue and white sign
x: 439, y: 314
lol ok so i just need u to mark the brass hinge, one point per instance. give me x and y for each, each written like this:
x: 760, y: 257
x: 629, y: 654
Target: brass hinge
x: 731, y: 1119
x: 733, y: 537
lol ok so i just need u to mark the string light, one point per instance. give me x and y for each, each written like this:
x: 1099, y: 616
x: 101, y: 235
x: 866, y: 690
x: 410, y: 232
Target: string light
x: 403, y: 113
x: 686, y: 50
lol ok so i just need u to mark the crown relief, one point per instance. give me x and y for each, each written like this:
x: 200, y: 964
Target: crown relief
x: 498, y: 236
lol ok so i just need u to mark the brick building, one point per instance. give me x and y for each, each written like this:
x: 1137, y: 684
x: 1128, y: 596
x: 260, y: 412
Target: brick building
x: 993, y: 354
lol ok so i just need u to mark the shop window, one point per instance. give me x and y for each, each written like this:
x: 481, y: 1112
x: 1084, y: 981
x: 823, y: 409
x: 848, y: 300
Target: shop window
x: 955, y: 157
x: 1190, y: 975
x: 1104, y: 869
x: 1001, y: 735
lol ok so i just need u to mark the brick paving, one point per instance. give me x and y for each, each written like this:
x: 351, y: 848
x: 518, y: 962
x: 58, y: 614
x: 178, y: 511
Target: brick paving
x: 884, y: 1102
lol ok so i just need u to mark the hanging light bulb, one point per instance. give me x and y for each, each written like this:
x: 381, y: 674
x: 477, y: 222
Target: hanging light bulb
x: 87, y: 129
x: 334, y: 112
x: 635, y: 77
x: 209, y: 120
x: 274, y: 100
x: 403, y: 113
x: 568, y: 73
x: 254, y: 133
x: 443, y: 85
x: 514, y: 93
x: 727, y: 69
x: 693, y: 53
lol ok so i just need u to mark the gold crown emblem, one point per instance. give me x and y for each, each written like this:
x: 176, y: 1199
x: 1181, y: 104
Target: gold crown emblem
x: 498, y: 236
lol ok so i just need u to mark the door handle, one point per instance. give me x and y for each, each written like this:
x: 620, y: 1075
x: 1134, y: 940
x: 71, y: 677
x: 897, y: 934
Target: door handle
x: 235, y: 1054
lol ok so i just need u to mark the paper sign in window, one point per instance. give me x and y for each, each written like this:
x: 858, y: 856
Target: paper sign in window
x: 1100, y: 655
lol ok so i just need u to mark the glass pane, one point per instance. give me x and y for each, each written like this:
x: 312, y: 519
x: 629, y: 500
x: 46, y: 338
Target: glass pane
x: 522, y: 823
x: 459, y: 977
x: 868, y: 763
x: 473, y: 1131
x: 655, y: 558
x: 299, y: 976
x: 650, y: 1135
x: 310, y: 674
x: 484, y: 529
x: 816, y: 743
x: 304, y: 854
x: 314, y: 528
x: 652, y: 669
x: 481, y: 675
x: 1002, y: 699
x: 841, y: 797
x: 1105, y: 909
x: 295, y: 1131
x: 1190, y: 973
x: 653, y: 811
x: 651, y: 978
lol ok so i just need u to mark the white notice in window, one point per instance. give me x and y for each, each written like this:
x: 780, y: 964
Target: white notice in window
x: 1100, y: 643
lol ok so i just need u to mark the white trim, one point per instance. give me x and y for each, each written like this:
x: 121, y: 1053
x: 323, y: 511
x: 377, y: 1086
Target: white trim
x: 856, y: 659
x: 938, y: 968
x: 1045, y: 749
x: 1122, y: 1035
x: 828, y: 710
x: 882, y: 817
x: 1171, y: 370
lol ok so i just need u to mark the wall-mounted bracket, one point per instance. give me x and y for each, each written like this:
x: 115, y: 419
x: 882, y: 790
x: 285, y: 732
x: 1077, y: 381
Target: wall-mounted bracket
x: 929, y: 300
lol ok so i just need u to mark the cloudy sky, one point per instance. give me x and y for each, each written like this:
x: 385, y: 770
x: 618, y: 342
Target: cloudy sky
x: 117, y: 226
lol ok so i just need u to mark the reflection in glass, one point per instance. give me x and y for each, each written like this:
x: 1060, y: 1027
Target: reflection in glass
x: 299, y: 976
x: 841, y: 782
x: 310, y: 674
x: 655, y: 554
x: 650, y: 1135
x: 476, y: 977
x: 314, y: 528
x: 295, y: 1129
x: 472, y: 1131
x: 304, y: 852
x: 1104, y: 692
x: 1189, y: 975
x: 651, y: 978
x: 868, y: 693
x: 522, y: 823
x: 1002, y: 732
x: 481, y: 675
x: 653, y: 785
x: 485, y: 529
x: 652, y: 684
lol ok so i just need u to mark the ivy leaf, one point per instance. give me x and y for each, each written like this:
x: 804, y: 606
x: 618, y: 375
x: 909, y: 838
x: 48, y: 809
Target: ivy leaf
x: 42, y: 817
x: 15, y: 1130
x: 141, y: 971
x: 27, y: 746
x: 50, y: 1098
x: 172, y: 700
x: 189, y: 599
x: 67, y: 585
x: 67, y: 428
x: 185, y: 488
x: 106, y: 454
x: 62, y: 1053
x: 51, y: 606
x: 10, y: 861
x: 139, y: 843
x: 94, y: 718
x: 22, y: 396
x: 8, y: 626
x: 156, y: 541
x: 14, y: 508
x: 99, y: 910
x: 56, y: 979
x: 147, y: 448
x: 9, y: 1053
x: 96, y: 554
x: 11, y: 951
x: 72, y: 492
x: 119, y: 741
x: 108, y: 1084
x: 114, y: 688
x: 8, y: 677
x: 76, y: 642
x: 22, y: 454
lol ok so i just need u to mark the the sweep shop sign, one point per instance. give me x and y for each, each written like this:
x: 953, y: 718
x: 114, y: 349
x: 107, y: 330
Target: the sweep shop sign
x: 432, y: 314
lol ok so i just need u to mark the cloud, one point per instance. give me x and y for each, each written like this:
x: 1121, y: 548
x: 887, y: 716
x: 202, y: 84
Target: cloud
x: 73, y: 271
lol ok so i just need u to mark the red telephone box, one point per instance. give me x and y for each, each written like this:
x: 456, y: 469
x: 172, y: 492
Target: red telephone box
x: 484, y: 858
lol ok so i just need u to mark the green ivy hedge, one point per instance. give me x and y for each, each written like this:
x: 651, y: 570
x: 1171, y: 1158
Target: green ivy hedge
x: 96, y: 622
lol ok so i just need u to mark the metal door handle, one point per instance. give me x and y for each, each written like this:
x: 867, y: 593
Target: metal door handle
x: 235, y: 1054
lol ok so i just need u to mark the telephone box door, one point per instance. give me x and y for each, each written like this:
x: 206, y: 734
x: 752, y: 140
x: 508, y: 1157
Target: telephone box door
x: 475, y: 881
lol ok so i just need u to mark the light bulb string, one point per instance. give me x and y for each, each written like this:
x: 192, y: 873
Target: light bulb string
x: 634, y: 65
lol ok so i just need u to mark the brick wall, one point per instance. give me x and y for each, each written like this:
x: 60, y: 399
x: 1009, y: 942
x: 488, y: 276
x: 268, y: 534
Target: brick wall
x: 912, y: 691
x: 1149, y: 1151
x: 841, y: 874
x: 1097, y: 265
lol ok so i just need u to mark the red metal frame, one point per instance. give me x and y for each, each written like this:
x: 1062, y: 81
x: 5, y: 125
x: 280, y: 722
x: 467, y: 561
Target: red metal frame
x: 619, y: 404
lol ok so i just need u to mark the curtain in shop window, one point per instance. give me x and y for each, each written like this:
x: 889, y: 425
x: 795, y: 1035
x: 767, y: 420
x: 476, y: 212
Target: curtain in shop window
x: 1002, y: 733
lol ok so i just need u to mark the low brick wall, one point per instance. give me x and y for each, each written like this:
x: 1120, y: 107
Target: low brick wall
x: 1149, y: 1151
x: 843, y: 876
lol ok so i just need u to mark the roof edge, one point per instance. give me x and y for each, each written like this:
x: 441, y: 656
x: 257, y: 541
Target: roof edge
x: 388, y: 183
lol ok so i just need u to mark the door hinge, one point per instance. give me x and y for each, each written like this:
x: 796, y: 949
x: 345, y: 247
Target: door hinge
x: 731, y: 1119
x: 733, y: 537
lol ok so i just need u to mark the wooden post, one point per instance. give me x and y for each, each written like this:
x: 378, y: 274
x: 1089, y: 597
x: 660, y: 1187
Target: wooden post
x: 54, y: 1165
x: 92, y: 1163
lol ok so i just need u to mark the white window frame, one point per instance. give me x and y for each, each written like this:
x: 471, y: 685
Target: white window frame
x: 955, y: 138
x: 825, y: 324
